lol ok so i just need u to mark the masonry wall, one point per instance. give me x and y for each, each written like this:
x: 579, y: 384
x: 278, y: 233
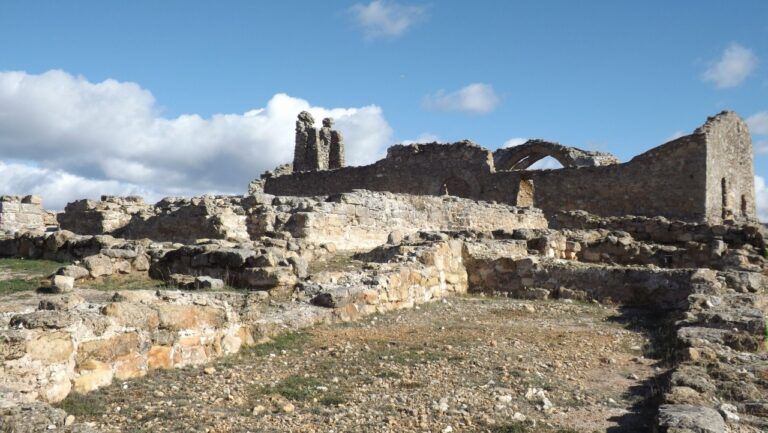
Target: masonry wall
x: 730, y: 177
x: 669, y: 180
x: 680, y: 179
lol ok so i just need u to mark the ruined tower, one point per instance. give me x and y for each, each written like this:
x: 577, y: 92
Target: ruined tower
x: 317, y: 150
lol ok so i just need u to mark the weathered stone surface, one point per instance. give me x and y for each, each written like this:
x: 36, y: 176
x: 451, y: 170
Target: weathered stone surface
x: 687, y: 418
x: 51, y: 348
x: 62, y: 283
x: 108, y: 349
x: 715, y: 184
x: 179, y: 317
x: 74, y: 271
x: 21, y: 214
x: 98, y: 265
x: 132, y: 315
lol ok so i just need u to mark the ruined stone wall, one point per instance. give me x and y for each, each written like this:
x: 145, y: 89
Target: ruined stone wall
x: 674, y: 180
x: 730, y: 177
x: 364, y: 219
x: 91, y: 217
x: 188, y: 219
x: 422, y: 169
x: 20, y: 214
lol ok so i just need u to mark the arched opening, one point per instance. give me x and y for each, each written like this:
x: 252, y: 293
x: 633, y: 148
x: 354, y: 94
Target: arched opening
x: 546, y: 163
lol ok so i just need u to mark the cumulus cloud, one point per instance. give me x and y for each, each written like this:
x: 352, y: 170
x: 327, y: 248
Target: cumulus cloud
x: 425, y: 137
x: 477, y: 98
x: 112, y: 136
x: 514, y: 142
x: 382, y: 18
x: 735, y: 65
x: 758, y: 123
x: 761, y: 198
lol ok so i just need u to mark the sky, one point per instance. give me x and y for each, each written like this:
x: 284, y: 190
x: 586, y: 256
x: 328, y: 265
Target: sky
x: 194, y: 97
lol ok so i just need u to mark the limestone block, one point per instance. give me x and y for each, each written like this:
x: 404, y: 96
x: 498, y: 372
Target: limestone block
x: 93, y: 375
x: 160, y: 357
x: 98, y: 265
x: 178, y: 317
x: 108, y: 349
x: 130, y: 366
x: 51, y: 347
x: 74, y: 271
x: 62, y: 284
x: 132, y: 315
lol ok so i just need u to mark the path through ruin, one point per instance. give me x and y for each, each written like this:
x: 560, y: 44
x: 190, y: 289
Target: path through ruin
x: 465, y: 364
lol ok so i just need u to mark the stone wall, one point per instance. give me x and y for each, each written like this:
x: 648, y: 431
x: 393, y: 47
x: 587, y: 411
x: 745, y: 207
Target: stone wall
x: 363, y: 219
x: 55, y: 344
x: 91, y: 217
x: 20, y: 214
x: 675, y: 180
x: 170, y: 220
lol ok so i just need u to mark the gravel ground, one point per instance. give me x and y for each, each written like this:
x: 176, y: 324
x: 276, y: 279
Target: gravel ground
x: 461, y: 365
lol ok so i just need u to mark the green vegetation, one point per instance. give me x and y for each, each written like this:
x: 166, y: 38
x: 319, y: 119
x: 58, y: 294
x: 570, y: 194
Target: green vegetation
x: 24, y: 274
x: 288, y: 341
x: 18, y: 285
x: 301, y: 388
x: 31, y: 267
x: 83, y: 404
x: 122, y: 282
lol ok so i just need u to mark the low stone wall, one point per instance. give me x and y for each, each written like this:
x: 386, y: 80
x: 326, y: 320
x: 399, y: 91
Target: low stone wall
x: 170, y: 220
x: 107, y: 216
x: 362, y: 220
x: 21, y: 214
x: 54, y: 344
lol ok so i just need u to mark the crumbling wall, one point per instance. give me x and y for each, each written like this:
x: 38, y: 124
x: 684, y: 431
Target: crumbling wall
x: 675, y: 180
x: 111, y: 213
x: 187, y: 219
x: 730, y: 192
x: 20, y: 214
x: 364, y: 219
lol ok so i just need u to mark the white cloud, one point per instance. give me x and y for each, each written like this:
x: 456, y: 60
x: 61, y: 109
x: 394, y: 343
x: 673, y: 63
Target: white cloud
x: 734, y: 66
x: 675, y: 136
x: 59, y: 187
x: 758, y: 123
x: 761, y: 147
x: 382, y: 18
x: 111, y: 136
x: 478, y: 98
x: 761, y: 198
x: 425, y: 137
x: 514, y: 142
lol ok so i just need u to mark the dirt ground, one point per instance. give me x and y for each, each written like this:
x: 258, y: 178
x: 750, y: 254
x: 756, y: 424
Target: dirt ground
x: 460, y: 365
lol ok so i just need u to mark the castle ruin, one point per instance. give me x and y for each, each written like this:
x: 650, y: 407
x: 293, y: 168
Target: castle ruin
x: 672, y: 232
x: 317, y: 150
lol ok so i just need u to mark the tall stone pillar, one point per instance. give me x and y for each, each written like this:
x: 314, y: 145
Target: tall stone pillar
x: 305, y: 149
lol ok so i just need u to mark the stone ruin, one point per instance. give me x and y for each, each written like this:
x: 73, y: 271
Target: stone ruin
x: 673, y: 231
x: 317, y: 150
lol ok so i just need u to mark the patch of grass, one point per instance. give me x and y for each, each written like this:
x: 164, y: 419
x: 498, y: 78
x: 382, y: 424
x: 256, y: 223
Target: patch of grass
x: 388, y: 375
x: 288, y: 341
x: 122, y: 282
x: 88, y: 405
x: 33, y: 267
x: 332, y: 399
x: 18, y: 285
x: 296, y: 388
x: 515, y: 427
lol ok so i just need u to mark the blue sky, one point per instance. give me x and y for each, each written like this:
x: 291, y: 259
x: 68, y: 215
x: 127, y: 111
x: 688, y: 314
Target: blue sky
x: 607, y: 75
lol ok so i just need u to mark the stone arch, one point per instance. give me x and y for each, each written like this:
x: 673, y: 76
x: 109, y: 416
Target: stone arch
x: 523, y: 156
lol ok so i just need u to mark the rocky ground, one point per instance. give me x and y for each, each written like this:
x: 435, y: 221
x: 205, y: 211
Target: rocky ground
x: 461, y: 365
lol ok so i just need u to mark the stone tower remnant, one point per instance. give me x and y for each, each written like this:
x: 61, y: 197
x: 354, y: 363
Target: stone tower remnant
x: 317, y: 150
